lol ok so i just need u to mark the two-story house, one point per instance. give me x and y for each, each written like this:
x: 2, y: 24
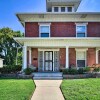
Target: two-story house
x: 61, y: 37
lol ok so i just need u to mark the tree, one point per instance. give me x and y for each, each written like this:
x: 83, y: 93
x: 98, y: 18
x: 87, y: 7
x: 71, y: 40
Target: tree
x: 9, y: 47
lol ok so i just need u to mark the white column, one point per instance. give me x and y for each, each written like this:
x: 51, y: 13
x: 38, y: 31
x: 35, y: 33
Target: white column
x: 43, y: 61
x: 97, y: 56
x: 24, y: 57
x: 67, y: 57
x: 30, y: 57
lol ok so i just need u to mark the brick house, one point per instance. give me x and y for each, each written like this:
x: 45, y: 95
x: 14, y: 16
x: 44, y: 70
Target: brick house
x: 60, y: 37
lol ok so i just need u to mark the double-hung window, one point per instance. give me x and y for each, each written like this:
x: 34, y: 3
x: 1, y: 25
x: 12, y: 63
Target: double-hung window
x: 81, y: 59
x: 44, y: 31
x: 81, y: 30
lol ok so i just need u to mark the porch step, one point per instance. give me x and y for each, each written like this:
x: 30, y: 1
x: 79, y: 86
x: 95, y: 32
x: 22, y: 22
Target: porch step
x: 47, y: 76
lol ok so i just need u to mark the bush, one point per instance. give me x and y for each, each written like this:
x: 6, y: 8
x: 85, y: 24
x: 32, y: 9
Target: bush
x: 73, y: 71
x: 28, y: 71
x: 96, y: 69
x: 65, y: 71
x: 11, y: 69
x: 86, y: 69
x: 80, y: 71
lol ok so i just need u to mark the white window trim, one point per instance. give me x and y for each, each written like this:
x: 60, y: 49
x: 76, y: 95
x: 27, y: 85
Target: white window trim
x: 44, y: 24
x: 59, y: 9
x: 81, y: 24
x: 81, y: 50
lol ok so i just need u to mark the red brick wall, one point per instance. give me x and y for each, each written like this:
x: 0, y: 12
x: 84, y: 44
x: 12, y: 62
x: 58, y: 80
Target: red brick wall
x: 31, y: 29
x: 93, y: 29
x: 35, y: 57
x: 62, y: 57
x: 91, y: 56
x: 63, y: 29
x: 72, y: 57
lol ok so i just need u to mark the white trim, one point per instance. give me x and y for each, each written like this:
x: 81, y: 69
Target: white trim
x: 43, y: 60
x: 82, y: 24
x: 59, y: 9
x: 82, y: 50
x: 44, y: 24
x: 24, y: 57
x: 53, y: 61
x: 67, y: 57
x: 30, y: 56
x: 48, y: 49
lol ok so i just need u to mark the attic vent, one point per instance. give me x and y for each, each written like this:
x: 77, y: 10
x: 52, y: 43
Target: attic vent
x: 41, y: 16
x: 83, y: 16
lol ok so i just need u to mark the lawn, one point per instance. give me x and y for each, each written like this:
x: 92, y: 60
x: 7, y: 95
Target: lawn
x: 13, y: 89
x: 81, y: 89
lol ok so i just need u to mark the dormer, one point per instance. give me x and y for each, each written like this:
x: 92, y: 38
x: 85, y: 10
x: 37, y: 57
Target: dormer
x: 62, y: 5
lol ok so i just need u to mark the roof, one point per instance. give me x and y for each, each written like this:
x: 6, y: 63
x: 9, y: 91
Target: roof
x: 75, y: 3
x: 59, y: 17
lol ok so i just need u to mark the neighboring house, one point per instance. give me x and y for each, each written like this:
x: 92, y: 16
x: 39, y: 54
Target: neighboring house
x: 1, y: 62
x: 60, y: 37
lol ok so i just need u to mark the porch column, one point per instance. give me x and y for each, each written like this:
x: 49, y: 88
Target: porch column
x: 67, y: 57
x: 24, y: 57
x: 97, y: 56
x: 30, y: 57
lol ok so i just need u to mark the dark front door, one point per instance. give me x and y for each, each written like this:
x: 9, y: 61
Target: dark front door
x: 48, y: 61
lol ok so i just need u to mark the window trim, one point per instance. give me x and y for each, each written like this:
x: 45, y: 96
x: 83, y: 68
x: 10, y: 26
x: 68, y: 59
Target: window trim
x: 81, y: 50
x: 83, y: 24
x: 40, y: 29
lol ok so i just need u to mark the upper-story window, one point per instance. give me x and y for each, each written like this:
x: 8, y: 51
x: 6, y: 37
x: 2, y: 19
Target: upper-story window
x: 56, y: 9
x: 69, y: 9
x: 44, y: 31
x: 62, y: 9
x: 81, y: 30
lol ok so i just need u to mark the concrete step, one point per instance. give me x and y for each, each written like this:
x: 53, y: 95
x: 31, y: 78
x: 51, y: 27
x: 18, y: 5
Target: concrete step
x: 47, y: 74
x: 48, y: 78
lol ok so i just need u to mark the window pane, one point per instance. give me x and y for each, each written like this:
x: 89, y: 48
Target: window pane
x: 80, y: 34
x: 44, y: 29
x: 44, y: 34
x: 81, y: 29
x: 80, y: 55
x: 69, y: 9
x: 55, y: 9
x: 80, y: 63
x: 62, y: 9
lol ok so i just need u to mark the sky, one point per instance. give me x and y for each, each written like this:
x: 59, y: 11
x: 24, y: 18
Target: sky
x: 8, y: 9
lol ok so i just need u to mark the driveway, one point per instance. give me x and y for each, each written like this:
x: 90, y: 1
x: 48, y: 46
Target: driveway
x: 47, y: 90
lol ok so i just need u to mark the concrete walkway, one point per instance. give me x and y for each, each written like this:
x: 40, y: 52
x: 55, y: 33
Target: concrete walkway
x: 47, y: 90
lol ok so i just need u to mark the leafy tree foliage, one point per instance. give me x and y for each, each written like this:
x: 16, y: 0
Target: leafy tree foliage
x: 9, y: 47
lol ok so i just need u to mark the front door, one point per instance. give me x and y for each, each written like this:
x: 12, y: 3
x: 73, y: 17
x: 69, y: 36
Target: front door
x: 48, y: 60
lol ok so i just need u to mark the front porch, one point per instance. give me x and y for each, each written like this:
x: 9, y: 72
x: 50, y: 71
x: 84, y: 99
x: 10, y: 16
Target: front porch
x: 51, y: 54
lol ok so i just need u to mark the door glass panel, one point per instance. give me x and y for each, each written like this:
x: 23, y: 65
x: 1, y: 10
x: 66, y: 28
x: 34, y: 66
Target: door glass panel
x: 40, y: 67
x: 56, y: 60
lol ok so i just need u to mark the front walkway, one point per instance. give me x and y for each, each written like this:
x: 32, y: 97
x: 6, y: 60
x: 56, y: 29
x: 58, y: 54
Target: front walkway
x: 47, y: 90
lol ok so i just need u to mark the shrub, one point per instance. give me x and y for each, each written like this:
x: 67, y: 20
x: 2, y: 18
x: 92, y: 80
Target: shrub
x: 65, y: 71
x: 28, y: 71
x: 96, y: 69
x: 73, y: 71
x: 86, y: 69
x: 80, y: 71
x: 11, y: 69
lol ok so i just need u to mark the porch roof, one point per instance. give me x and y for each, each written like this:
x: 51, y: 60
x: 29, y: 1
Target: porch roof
x: 59, y: 41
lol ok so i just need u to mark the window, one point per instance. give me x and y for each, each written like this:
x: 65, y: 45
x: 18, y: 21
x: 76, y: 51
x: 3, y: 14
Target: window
x: 69, y: 9
x: 62, y: 9
x: 81, y: 58
x: 81, y: 31
x: 56, y: 9
x: 44, y: 31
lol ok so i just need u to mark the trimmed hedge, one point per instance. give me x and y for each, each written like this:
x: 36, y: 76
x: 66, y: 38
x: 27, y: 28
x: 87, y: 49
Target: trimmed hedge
x: 11, y: 69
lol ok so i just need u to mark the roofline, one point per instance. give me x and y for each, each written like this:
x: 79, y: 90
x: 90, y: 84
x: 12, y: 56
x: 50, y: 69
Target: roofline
x: 54, y: 13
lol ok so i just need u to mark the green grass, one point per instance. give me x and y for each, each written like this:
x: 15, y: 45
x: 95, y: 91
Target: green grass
x: 13, y: 89
x: 81, y: 89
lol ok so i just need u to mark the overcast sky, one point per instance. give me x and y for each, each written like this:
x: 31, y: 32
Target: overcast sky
x: 8, y: 9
